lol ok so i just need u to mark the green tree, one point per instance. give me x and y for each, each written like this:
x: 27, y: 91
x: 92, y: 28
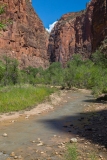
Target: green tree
x: 11, y: 73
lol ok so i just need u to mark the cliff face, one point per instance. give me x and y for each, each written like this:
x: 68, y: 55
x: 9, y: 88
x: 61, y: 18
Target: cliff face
x: 25, y: 37
x: 72, y: 34
x: 99, y: 23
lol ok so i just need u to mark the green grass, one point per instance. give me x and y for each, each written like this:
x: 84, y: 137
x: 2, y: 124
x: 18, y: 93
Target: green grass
x: 71, y: 153
x: 93, y: 156
x: 16, y: 98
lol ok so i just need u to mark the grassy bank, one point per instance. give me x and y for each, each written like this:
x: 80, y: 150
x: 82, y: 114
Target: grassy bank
x: 16, y: 98
x: 75, y: 152
x: 78, y: 72
x: 71, y: 152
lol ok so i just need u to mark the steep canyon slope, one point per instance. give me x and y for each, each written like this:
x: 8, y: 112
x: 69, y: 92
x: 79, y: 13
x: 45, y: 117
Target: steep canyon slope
x: 99, y: 23
x: 72, y: 34
x: 25, y: 38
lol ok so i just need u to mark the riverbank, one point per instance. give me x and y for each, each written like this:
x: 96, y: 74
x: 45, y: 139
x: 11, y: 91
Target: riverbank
x: 54, y: 100
x: 41, y: 136
x: 45, y: 135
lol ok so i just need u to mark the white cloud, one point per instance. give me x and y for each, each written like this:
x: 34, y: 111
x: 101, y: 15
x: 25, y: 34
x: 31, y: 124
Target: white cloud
x: 51, y: 26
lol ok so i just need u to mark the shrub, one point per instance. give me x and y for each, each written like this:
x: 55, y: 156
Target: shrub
x: 11, y: 74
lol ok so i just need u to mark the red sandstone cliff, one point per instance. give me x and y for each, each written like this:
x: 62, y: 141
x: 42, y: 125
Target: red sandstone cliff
x: 99, y: 23
x: 72, y: 34
x: 25, y: 38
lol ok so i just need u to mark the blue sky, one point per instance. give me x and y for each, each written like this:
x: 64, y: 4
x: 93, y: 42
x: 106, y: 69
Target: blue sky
x: 50, y: 11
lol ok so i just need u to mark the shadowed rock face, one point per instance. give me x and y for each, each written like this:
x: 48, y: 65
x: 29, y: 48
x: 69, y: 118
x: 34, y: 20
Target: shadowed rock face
x: 25, y: 38
x: 99, y: 23
x: 72, y: 34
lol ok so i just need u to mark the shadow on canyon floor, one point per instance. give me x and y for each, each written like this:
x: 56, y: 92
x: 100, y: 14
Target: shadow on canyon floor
x: 89, y: 125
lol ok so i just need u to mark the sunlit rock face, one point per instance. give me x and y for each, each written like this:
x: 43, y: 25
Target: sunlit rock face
x: 25, y: 37
x: 99, y: 23
x: 72, y: 34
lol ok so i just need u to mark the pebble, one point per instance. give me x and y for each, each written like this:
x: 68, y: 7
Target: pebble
x: 60, y: 153
x: 73, y: 140
x: 12, y: 154
x: 4, y: 152
x: 54, y: 135
x: 5, y: 135
x: 40, y: 144
x: 12, y: 121
x: 60, y: 146
x: 15, y: 157
x: 20, y: 157
x: 101, y: 156
x: 26, y: 117
x: 104, y: 149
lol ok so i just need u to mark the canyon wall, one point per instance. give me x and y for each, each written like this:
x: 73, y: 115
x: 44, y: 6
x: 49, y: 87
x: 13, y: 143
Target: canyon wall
x: 25, y: 37
x: 72, y: 34
x: 99, y: 23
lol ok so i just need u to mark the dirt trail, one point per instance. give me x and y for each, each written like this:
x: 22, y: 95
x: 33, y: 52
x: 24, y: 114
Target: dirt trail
x: 43, y: 137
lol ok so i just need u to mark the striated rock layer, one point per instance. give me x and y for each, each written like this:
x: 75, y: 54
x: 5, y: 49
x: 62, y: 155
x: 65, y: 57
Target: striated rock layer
x: 99, y: 23
x: 72, y: 34
x: 25, y: 37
